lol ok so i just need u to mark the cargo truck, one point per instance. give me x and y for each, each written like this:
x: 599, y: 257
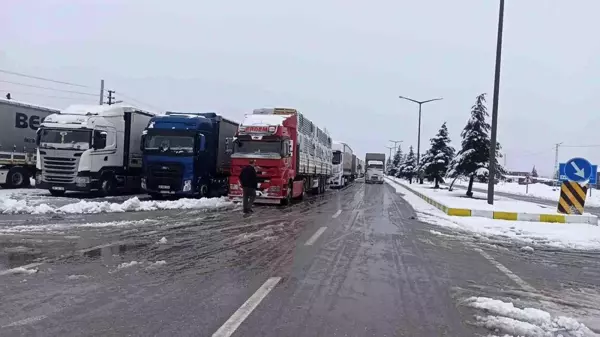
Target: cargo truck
x: 18, y: 154
x: 342, y: 165
x: 187, y: 154
x: 354, y: 174
x: 374, y: 163
x: 91, y: 148
x: 292, y: 155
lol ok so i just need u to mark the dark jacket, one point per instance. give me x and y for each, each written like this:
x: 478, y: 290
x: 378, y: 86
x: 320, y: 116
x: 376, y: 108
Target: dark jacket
x: 248, y: 177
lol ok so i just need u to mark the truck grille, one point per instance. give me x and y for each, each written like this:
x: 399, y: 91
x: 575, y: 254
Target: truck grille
x: 59, y: 169
x: 165, y: 174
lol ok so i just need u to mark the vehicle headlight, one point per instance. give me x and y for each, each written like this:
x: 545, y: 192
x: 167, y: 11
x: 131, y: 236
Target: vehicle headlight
x: 82, y: 181
x: 234, y: 186
x: 38, y: 178
x: 143, y: 183
x: 187, y: 185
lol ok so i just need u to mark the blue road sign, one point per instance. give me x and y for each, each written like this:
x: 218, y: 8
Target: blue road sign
x: 563, y: 176
x: 578, y: 170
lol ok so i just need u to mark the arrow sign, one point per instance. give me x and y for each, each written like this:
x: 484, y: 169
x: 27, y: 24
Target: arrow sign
x: 578, y: 172
x: 578, y: 169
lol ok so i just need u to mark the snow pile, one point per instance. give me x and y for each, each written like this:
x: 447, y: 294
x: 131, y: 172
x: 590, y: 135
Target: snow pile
x: 127, y: 264
x: 569, y: 236
x: 527, y: 249
x: 530, y: 322
x: 77, y: 277
x: 13, y: 206
x: 162, y: 241
x: 65, y: 226
x: 20, y: 270
x: 157, y: 264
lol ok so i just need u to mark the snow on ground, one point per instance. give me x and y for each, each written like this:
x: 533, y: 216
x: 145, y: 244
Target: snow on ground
x: 10, y: 205
x: 458, y: 199
x: 535, y: 190
x: 570, y: 236
x: 509, y: 320
x: 57, y: 227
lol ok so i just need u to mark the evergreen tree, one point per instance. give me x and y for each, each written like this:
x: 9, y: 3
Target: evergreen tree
x: 388, y: 166
x: 473, y: 157
x: 396, y: 162
x: 407, y: 168
x: 534, y: 173
x: 436, y: 160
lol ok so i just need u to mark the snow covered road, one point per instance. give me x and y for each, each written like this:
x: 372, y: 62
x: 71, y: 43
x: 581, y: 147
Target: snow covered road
x: 356, y: 262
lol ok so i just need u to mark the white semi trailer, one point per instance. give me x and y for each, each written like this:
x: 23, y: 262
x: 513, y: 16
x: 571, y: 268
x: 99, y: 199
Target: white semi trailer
x: 342, y: 165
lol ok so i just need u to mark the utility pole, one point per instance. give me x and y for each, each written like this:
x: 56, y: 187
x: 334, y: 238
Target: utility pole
x: 110, y: 97
x: 396, y: 142
x: 101, y: 92
x: 492, y: 163
x: 390, y: 147
x: 419, y: 129
x: 555, y: 182
x: 389, y: 159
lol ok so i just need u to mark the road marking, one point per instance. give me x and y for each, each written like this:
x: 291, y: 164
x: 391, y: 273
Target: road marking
x: 25, y: 321
x: 337, y: 214
x: 315, y: 236
x: 526, y: 286
x: 246, y: 309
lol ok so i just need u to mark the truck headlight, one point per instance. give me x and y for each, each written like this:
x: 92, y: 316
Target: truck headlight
x: 187, y: 185
x: 82, y: 181
x: 143, y: 183
x: 38, y: 178
x: 234, y: 187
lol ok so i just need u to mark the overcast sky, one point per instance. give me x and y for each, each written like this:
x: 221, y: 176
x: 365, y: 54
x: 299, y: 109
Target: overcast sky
x: 342, y: 63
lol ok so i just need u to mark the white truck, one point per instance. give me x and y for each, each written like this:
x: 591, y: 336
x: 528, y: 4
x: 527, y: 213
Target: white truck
x: 17, y: 141
x: 342, y: 165
x: 91, y: 148
x: 374, y: 163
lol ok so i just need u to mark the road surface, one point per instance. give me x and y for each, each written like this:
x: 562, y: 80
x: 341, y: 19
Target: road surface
x: 354, y: 262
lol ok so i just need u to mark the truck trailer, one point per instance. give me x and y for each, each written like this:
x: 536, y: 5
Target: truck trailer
x: 374, y: 163
x: 342, y: 165
x: 18, y: 153
x: 292, y: 155
x: 91, y: 148
x: 187, y: 154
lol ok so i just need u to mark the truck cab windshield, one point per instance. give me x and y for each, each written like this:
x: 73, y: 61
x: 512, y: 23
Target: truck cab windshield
x: 65, y: 138
x: 375, y: 166
x: 178, y: 144
x: 337, y: 157
x: 253, y: 148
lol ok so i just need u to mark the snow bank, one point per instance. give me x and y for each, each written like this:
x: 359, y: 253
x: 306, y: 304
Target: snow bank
x: 13, y: 206
x: 569, y: 236
x: 127, y: 264
x: 20, y: 270
x: 505, y: 317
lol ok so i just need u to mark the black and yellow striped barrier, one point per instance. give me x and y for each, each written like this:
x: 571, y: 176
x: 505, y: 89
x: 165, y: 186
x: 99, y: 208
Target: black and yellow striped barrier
x: 572, y: 198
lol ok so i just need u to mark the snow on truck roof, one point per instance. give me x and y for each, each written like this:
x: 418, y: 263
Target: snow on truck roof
x: 28, y: 105
x: 101, y: 110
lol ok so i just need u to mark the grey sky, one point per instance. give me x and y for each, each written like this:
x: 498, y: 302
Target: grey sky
x: 342, y: 63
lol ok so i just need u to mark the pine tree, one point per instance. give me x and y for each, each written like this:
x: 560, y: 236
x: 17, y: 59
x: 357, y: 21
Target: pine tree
x: 407, y: 168
x: 437, y: 159
x: 388, y: 166
x: 473, y: 157
x: 534, y: 173
x: 396, y: 162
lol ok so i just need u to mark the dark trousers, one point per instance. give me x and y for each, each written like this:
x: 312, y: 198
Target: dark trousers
x: 248, y: 199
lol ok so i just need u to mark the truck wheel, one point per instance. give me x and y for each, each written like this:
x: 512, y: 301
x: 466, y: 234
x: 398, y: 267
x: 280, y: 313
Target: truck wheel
x: 203, y: 191
x: 107, y: 186
x: 55, y: 193
x: 322, y: 186
x: 17, y: 177
x: 288, y: 198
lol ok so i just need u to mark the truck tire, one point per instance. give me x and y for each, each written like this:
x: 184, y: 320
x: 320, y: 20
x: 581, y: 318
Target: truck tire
x: 288, y: 198
x: 17, y: 177
x: 322, y: 186
x: 107, y: 186
x: 55, y: 193
x: 203, y: 191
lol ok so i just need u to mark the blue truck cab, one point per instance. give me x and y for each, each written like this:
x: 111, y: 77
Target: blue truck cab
x: 187, y: 155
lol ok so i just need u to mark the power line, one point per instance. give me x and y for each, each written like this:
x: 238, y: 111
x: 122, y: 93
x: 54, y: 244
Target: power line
x: 35, y: 94
x: 43, y: 79
x: 47, y: 88
x: 137, y: 101
x: 597, y: 145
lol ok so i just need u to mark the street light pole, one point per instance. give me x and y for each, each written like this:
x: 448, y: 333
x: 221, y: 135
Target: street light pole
x: 389, y: 158
x: 395, y: 142
x: 420, y: 103
x: 492, y: 163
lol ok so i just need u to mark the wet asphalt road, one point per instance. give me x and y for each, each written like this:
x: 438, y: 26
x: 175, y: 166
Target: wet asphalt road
x: 354, y: 262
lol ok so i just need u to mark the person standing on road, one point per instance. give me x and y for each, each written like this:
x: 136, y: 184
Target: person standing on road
x: 249, y: 181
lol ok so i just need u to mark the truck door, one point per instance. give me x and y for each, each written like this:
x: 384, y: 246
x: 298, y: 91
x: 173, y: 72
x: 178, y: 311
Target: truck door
x: 106, y: 156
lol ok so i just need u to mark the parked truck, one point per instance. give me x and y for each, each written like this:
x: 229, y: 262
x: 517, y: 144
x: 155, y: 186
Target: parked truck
x: 91, y: 148
x: 18, y: 153
x: 354, y: 174
x: 342, y: 165
x: 360, y: 168
x: 187, y: 154
x: 374, y: 163
x: 292, y: 155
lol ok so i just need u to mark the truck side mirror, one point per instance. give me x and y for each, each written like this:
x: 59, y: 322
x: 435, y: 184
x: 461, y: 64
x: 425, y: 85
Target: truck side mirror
x: 201, y: 143
x: 99, y: 140
x: 38, y: 136
x: 228, y: 145
x: 143, y: 143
